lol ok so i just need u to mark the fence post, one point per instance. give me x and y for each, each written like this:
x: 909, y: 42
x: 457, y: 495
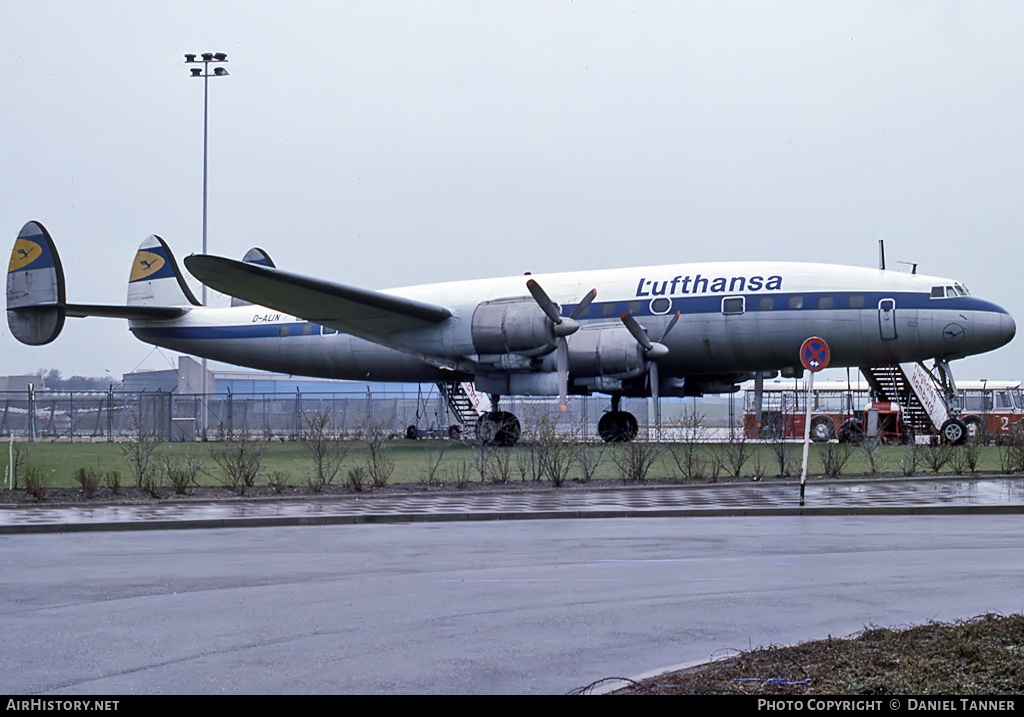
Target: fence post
x: 110, y: 414
x: 32, y: 412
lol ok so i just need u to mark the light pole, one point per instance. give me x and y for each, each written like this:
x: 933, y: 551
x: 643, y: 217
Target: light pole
x: 206, y: 59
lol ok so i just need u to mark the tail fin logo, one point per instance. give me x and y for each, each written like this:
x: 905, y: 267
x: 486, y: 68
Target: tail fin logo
x: 25, y: 252
x: 146, y: 264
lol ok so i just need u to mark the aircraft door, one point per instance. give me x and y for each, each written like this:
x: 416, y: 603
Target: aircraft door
x: 887, y: 318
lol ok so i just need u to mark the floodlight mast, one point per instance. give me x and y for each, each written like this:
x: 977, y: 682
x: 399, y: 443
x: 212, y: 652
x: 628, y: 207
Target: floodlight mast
x: 206, y: 59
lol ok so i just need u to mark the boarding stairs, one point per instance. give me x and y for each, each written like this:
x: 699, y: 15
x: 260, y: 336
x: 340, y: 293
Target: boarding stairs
x: 921, y: 400
x: 462, y: 399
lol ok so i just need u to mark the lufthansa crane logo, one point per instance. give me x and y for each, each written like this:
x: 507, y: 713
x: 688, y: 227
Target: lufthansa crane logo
x: 953, y: 333
x: 25, y: 252
x: 146, y: 264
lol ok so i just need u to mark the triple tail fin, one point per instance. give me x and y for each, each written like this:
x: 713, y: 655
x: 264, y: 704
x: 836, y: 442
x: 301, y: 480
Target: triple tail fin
x: 35, y: 287
x: 36, y: 302
x: 155, y: 279
x: 253, y: 256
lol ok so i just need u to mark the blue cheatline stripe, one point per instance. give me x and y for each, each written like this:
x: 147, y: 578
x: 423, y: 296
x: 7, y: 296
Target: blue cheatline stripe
x: 688, y: 306
x: 841, y: 300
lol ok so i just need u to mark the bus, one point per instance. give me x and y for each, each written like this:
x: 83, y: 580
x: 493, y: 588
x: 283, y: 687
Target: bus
x: 989, y: 409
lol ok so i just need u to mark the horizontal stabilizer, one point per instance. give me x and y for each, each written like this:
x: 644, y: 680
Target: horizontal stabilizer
x: 36, y: 305
x: 361, y: 312
x: 139, y: 313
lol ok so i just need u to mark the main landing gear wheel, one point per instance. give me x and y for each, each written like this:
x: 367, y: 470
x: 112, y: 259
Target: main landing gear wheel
x: 617, y: 427
x: 498, y: 428
x: 954, y: 431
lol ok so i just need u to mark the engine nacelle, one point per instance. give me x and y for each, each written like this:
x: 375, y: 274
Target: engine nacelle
x: 609, y: 351
x: 512, y: 326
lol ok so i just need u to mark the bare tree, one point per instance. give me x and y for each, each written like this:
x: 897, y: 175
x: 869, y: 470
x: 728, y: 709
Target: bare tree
x: 327, y: 449
x: 138, y: 450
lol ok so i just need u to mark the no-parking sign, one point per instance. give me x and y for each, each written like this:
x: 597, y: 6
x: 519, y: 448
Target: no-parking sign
x: 814, y: 354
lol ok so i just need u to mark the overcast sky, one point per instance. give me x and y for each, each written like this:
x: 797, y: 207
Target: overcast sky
x: 393, y: 143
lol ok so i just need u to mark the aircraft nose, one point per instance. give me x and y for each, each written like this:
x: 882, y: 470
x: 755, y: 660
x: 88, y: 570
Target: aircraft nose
x: 1007, y: 328
x: 994, y: 329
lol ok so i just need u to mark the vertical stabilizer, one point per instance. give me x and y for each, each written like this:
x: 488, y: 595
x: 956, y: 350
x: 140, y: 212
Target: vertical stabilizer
x: 155, y: 278
x: 35, y: 287
x: 253, y: 256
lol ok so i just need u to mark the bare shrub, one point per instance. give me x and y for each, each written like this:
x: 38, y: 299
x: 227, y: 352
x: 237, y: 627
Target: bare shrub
x: 689, y: 454
x: 494, y: 463
x: 377, y: 453
x: 555, y: 448
x: 966, y: 456
x: 911, y: 458
x: 139, y: 449
x: 89, y: 480
x: 635, y: 459
x: 182, y: 472
x: 356, y: 478
x: 937, y: 455
x: 18, y: 456
x: 278, y: 480
x: 239, y: 460
x: 458, y: 472
x: 834, y: 458
x: 112, y: 481
x: 326, y: 448
x: 432, y: 459
x: 1011, y: 451
x: 737, y: 452
x: 872, y: 451
x: 588, y: 458
x: 35, y: 483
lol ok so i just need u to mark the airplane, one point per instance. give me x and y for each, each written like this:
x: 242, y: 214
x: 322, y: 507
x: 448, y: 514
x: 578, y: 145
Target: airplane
x: 652, y: 331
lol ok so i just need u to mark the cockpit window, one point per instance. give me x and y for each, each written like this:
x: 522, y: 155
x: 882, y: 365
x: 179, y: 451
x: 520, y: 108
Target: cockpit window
x: 939, y: 292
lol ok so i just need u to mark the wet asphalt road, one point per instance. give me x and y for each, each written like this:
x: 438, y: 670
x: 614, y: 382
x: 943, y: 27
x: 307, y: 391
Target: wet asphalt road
x: 411, y: 595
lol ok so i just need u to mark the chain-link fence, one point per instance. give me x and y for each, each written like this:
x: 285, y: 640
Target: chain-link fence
x: 113, y: 415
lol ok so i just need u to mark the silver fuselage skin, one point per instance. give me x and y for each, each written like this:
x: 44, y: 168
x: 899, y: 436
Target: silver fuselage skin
x: 734, y: 318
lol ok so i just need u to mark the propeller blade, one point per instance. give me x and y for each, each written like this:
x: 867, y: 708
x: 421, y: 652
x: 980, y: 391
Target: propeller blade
x: 671, y: 325
x: 549, y: 307
x: 638, y: 333
x: 584, y: 304
x: 562, y: 362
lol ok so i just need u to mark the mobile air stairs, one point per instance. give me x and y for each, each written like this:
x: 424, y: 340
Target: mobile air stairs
x: 925, y: 398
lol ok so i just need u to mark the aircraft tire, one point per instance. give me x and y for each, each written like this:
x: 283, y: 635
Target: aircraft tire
x: 617, y: 427
x: 412, y: 433
x: 954, y: 431
x: 498, y: 428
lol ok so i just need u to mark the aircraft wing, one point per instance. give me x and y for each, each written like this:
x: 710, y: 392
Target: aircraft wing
x: 361, y: 312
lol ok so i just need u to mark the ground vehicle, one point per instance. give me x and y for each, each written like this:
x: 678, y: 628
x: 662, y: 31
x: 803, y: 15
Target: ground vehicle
x: 990, y: 408
x: 987, y: 409
x: 783, y: 409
